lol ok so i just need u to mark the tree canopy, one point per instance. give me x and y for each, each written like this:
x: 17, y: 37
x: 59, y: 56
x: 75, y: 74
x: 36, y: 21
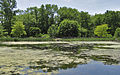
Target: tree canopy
x: 43, y: 19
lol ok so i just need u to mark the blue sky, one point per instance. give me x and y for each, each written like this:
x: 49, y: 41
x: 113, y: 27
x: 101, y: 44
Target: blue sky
x: 91, y: 6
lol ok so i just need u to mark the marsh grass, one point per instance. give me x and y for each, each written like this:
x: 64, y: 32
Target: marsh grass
x: 26, y: 39
x: 88, y: 39
x: 54, y: 39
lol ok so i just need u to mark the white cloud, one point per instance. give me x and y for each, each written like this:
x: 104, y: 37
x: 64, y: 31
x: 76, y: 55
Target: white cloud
x: 91, y: 6
x: 67, y: 0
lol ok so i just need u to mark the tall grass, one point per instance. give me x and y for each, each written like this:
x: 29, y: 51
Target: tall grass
x: 88, y: 39
x: 26, y: 39
x: 53, y: 39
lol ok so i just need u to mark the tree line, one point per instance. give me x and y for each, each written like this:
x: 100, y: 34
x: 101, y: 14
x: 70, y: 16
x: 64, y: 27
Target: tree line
x: 56, y: 22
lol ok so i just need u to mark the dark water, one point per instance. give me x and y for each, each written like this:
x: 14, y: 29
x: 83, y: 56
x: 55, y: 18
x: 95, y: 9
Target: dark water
x: 92, y: 68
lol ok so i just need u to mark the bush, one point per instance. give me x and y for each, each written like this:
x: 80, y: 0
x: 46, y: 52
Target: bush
x: 68, y: 28
x: 18, y: 29
x: 2, y: 31
x: 82, y: 32
x: 45, y: 36
x: 109, y: 36
x: 53, y: 30
x: 35, y: 31
x: 101, y: 31
x: 117, y: 33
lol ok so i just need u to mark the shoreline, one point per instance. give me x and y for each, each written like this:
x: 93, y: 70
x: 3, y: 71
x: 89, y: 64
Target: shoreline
x: 56, y: 39
x: 69, y: 42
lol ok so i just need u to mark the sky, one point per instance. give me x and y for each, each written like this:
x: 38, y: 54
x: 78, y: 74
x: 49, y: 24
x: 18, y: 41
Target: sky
x: 91, y: 6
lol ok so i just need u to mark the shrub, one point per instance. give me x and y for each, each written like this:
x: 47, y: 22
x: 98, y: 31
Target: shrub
x: 82, y: 32
x: 109, y: 36
x: 2, y: 31
x: 53, y: 30
x: 18, y: 29
x: 68, y: 28
x: 35, y: 31
x: 117, y: 33
x: 101, y: 31
x: 45, y: 36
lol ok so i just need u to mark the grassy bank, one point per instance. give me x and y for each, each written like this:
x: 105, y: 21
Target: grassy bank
x: 88, y: 39
x: 26, y: 39
x: 56, y: 39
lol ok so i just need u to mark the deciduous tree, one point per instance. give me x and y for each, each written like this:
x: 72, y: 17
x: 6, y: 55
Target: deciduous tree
x: 68, y: 28
x: 18, y: 29
x: 101, y: 30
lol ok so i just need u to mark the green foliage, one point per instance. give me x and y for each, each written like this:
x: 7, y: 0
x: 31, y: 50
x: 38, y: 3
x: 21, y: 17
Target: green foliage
x: 45, y: 36
x: 7, y: 8
x: 88, y: 39
x: 112, y: 18
x: 82, y: 32
x: 101, y: 31
x: 97, y: 19
x: 84, y: 20
x: 18, y: 29
x: 46, y: 16
x: 25, y: 39
x: 40, y: 21
x: 2, y: 31
x: 117, y: 33
x: 35, y: 31
x: 109, y: 36
x: 68, y: 28
x: 85, y: 23
x: 50, y: 39
x: 28, y: 21
x: 53, y: 31
x: 68, y: 13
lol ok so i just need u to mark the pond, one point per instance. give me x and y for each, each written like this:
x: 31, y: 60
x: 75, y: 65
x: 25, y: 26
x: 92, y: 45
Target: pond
x: 60, y: 58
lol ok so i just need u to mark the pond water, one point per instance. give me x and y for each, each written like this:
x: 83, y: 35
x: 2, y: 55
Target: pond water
x: 92, y: 68
x: 60, y: 58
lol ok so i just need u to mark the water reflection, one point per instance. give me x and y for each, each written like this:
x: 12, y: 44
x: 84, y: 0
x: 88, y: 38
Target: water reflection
x: 92, y: 68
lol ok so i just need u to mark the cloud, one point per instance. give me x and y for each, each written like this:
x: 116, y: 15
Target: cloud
x: 67, y: 0
x: 91, y: 6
